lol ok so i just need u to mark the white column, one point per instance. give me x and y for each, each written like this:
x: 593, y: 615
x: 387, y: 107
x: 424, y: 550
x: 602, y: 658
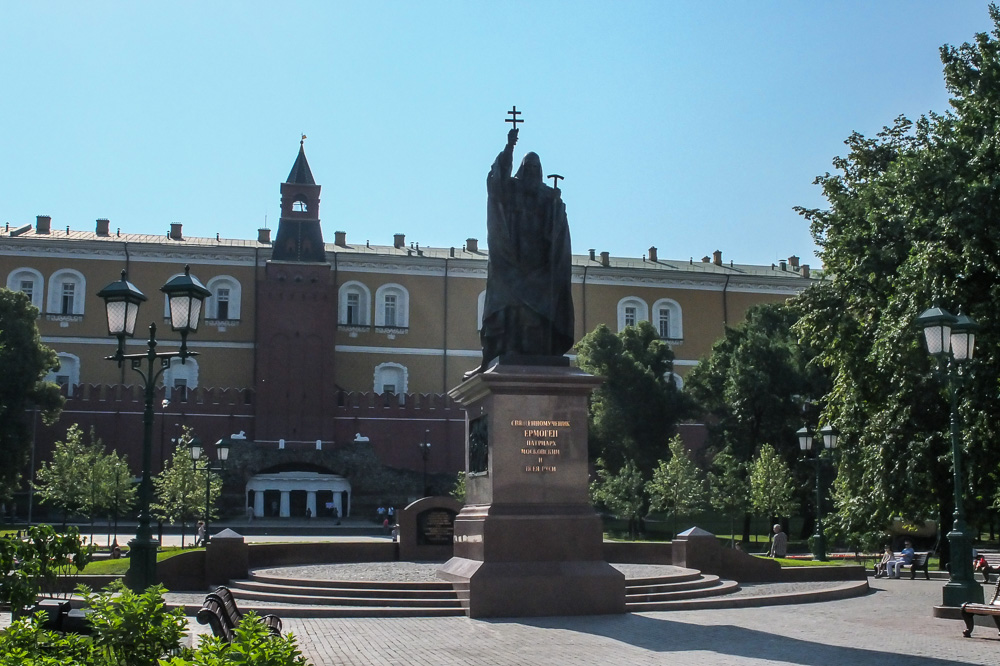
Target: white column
x: 258, y: 504
x: 311, y: 502
x: 284, y: 510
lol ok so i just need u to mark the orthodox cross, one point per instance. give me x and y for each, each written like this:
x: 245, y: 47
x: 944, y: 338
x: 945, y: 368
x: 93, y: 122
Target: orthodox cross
x: 513, y: 120
x: 302, y: 142
x: 555, y: 179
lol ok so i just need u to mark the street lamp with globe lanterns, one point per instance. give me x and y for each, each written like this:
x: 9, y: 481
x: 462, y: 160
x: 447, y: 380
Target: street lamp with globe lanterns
x: 830, y: 440
x: 951, y: 341
x: 222, y: 451
x: 185, y: 296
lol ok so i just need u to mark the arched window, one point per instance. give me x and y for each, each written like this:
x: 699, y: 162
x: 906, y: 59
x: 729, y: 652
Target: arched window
x: 355, y: 304
x: 224, y: 303
x: 668, y: 320
x: 29, y: 281
x: 180, y: 378
x: 300, y: 206
x: 391, y: 378
x: 67, y: 289
x: 631, y: 310
x: 480, y: 309
x: 68, y: 374
x: 392, y: 306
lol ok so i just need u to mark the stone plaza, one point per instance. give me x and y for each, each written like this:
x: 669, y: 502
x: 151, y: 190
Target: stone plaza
x: 891, y: 625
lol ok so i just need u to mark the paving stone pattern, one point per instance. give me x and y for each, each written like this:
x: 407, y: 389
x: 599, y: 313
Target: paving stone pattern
x: 892, y: 625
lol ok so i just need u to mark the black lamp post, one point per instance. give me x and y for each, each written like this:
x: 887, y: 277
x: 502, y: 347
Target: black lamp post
x: 425, y: 452
x: 222, y: 450
x: 830, y: 440
x: 185, y: 295
x: 951, y: 341
x: 830, y: 437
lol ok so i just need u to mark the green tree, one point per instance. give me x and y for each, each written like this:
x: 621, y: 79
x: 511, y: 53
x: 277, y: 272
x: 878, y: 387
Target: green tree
x: 458, y: 492
x: 622, y: 493
x: 910, y: 223
x: 635, y: 412
x: 180, y: 489
x: 754, y: 386
x: 677, y: 485
x: 25, y: 362
x: 82, y: 479
x: 771, y: 485
x: 728, y: 487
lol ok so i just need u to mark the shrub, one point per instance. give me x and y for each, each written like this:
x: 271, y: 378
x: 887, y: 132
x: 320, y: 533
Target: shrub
x: 252, y: 645
x: 32, y: 563
x: 26, y: 643
x: 133, y: 629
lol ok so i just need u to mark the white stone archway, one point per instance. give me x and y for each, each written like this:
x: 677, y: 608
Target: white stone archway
x: 312, y: 483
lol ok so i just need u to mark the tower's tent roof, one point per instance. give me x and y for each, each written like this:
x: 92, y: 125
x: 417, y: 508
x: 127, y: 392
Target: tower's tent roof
x: 301, y: 174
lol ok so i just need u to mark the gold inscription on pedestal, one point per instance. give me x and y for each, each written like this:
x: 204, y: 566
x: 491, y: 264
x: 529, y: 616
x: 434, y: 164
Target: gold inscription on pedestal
x: 541, y: 442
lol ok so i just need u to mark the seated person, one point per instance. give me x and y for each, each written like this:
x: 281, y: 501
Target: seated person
x: 905, y: 559
x: 980, y: 564
x: 882, y: 567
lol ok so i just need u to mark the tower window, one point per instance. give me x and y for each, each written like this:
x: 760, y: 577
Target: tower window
x: 299, y: 206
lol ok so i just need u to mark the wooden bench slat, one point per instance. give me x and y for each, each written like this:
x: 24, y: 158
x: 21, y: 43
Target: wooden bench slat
x: 221, y: 613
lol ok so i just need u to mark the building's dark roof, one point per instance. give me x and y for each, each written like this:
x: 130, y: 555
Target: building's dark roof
x: 301, y: 174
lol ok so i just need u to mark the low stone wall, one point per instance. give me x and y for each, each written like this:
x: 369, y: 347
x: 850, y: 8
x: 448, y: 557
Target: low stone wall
x: 638, y: 552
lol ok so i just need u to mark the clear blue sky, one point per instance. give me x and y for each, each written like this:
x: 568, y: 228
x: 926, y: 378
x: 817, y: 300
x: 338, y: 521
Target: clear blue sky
x: 691, y: 126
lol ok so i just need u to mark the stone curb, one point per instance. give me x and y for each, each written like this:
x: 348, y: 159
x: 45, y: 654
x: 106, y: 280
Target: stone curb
x: 842, y: 591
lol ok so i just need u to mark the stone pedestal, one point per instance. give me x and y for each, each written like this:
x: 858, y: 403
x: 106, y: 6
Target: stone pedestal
x: 527, y: 542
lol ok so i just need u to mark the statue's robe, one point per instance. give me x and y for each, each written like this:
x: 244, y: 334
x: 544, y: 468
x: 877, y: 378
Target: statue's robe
x: 529, y: 305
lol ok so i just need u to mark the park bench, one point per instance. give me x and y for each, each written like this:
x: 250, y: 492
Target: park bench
x: 221, y: 614
x: 919, y: 563
x: 970, y: 610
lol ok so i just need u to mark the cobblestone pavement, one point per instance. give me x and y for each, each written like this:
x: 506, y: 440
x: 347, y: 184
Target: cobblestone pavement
x: 892, y: 625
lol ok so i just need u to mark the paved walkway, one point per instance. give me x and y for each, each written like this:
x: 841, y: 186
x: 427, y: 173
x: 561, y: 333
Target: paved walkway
x: 892, y: 625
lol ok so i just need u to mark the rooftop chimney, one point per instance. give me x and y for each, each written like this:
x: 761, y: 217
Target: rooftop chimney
x: 472, y: 244
x: 705, y: 259
x: 652, y: 254
x: 43, y: 224
x: 340, y: 238
x: 264, y: 236
x: 805, y: 271
x: 175, y: 231
x: 593, y: 254
x: 399, y: 240
x: 783, y: 265
x: 717, y: 257
x: 605, y: 259
x: 103, y: 227
x: 793, y: 261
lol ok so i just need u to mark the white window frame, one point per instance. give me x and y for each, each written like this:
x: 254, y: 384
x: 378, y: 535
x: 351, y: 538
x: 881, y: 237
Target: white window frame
x: 69, y: 365
x: 235, y: 297
x: 55, y: 293
x: 18, y: 275
x: 188, y: 371
x: 641, y: 310
x: 678, y: 380
x: 364, y: 303
x: 402, y: 305
x: 398, y: 372
x: 676, y: 325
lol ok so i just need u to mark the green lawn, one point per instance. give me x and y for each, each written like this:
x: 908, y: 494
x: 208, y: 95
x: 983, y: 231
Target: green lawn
x: 120, y: 566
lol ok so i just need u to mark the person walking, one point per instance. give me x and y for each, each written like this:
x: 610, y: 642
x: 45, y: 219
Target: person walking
x: 779, y: 544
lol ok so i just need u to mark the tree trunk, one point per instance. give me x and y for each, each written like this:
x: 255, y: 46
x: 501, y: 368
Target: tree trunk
x: 746, y: 527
